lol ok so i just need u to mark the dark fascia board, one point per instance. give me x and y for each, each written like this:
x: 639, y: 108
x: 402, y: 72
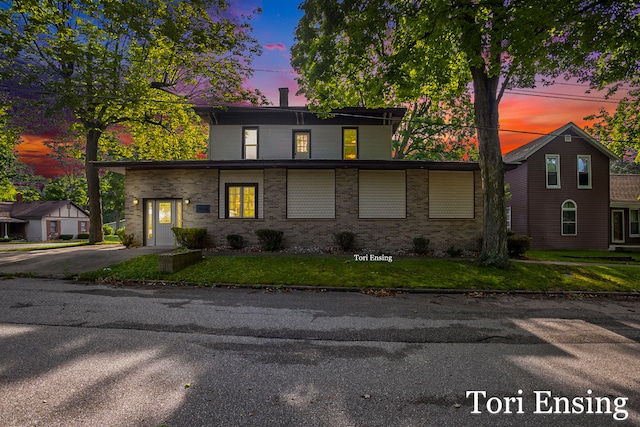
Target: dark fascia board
x: 300, y: 116
x: 122, y: 167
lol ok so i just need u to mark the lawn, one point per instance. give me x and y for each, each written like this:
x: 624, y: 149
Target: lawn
x: 407, y: 273
x: 591, y: 256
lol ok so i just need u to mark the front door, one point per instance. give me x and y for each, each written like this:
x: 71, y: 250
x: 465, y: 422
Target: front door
x: 617, y: 226
x: 162, y: 215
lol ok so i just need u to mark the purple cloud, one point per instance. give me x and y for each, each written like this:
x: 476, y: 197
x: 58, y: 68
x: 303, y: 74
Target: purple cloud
x: 277, y: 46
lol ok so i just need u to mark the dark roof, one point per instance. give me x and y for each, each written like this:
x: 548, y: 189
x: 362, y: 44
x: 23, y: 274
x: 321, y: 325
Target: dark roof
x: 39, y: 209
x: 624, y: 188
x: 122, y: 167
x: 301, y: 116
x: 524, y: 152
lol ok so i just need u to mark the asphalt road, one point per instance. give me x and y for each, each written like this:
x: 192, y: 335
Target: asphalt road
x: 85, y: 355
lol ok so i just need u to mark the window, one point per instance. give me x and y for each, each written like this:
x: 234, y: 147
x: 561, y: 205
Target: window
x: 451, y: 194
x: 250, y: 143
x: 241, y: 200
x: 301, y: 144
x: 508, y: 215
x: 53, y: 227
x: 382, y: 194
x: 82, y: 227
x: 584, y: 171
x: 569, y: 218
x: 553, y: 170
x: 350, y: 143
x: 634, y: 222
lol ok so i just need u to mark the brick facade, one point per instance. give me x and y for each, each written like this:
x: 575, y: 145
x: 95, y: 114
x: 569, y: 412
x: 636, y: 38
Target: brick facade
x: 201, y: 187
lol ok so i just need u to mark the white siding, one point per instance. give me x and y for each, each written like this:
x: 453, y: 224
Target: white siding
x: 451, y: 194
x: 311, y: 194
x: 382, y: 194
x: 276, y: 142
x: 241, y: 177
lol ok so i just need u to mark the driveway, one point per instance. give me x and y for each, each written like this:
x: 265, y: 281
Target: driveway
x: 68, y: 261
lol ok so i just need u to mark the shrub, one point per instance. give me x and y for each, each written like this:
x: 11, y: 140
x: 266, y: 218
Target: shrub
x: 235, y: 241
x: 454, y: 252
x: 107, y: 230
x: 128, y: 240
x: 420, y: 245
x: 346, y: 240
x: 517, y: 245
x: 66, y: 236
x: 120, y: 230
x: 270, y: 240
x: 83, y: 236
x: 8, y: 239
x: 191, y: 238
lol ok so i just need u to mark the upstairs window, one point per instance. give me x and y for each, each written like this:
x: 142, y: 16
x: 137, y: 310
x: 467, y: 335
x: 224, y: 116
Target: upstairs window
x: 350, y: 143
x: 553, y: 170
x: 584, y: 171
x: 301, y: 144
x: 250, y: 143
x: 569, y: 218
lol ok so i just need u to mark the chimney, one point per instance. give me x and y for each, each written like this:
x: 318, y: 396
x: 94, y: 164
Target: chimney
x: 284, y: 96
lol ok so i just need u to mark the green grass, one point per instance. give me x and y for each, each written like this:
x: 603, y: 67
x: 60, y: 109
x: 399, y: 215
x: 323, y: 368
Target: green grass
x: 591, y: 256
x: 409, y: 273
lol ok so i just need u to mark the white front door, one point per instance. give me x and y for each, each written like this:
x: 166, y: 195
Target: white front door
x: 161, y: 216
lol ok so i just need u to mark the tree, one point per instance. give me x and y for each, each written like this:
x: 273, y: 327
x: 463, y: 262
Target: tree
x: 67, y: 187
x: 9, y: 138
x: 437, y: 131
x: 386, y: 49
x: 102, y: 63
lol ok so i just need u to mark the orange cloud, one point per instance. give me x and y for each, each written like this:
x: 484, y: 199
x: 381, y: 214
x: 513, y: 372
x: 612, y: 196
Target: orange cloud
x: 33, y: 152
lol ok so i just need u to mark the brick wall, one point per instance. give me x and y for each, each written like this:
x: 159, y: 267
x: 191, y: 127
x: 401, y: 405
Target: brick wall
x: 201, y: 187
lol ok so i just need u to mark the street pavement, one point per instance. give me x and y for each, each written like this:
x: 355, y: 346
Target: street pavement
x: 74, y: 354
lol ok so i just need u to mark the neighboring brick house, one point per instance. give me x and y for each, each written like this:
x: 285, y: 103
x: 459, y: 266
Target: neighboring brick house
x: 560, y: 191
x: 288, y: 169
x: 42, y: 220
x: 625, y: 211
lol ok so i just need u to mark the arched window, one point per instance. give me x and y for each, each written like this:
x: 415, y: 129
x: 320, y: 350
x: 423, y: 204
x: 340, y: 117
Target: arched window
x: 569, y: 218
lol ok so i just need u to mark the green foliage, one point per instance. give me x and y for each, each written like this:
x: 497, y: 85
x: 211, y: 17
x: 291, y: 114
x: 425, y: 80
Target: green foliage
x: 518, y: 245
x: 83, y: 236
x: 437, y: 130
x: 66, y: 236
x: 270, y: 240
x: 385, y: 52
x: 191, y: 238
x: 67, y: 187
x: 420, y: 245
x: 235, y: 241
x: 346, y: 240
x: 128, y: 240
x: 107, y: 230
x: 102, y: 63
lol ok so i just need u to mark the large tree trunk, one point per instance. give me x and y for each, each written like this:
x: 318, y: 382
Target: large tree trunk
x: 494, y: 242
x: 93, y: 187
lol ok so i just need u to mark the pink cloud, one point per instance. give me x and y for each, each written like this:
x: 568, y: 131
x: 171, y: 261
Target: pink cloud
x: 277, y: 46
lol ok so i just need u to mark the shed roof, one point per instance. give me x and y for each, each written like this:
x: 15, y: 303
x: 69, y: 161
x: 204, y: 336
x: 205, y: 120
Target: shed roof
x: 624, y: 188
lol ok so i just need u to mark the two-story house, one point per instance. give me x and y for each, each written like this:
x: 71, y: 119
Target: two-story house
x: 560, y: 191
x: 308, y: 175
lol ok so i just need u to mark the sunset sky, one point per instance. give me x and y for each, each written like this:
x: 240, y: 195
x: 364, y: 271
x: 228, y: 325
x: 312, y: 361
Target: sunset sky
x: 539, y: 110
